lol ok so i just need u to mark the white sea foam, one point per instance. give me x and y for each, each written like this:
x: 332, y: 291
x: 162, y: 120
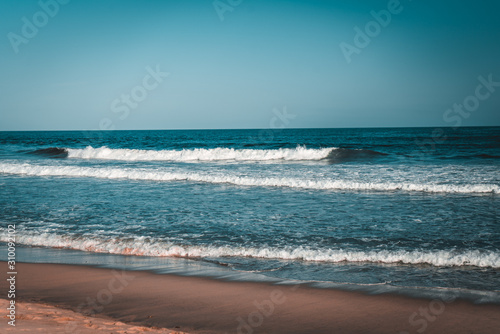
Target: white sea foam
x: 141, y: 246
x: 201, y: 154
x: 291, y: 182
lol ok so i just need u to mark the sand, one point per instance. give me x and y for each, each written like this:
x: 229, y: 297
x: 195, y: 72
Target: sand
x: 42, y: 318
x: 49, y: 297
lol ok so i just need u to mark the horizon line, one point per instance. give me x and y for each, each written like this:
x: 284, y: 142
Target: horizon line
x: 279, y: 129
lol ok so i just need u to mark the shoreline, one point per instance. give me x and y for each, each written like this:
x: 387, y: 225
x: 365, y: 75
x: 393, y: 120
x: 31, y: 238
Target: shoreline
x: 205, y: 305
x: 189, y: 267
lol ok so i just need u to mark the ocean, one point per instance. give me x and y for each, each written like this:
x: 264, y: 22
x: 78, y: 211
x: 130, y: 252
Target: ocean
x: 388, y: 210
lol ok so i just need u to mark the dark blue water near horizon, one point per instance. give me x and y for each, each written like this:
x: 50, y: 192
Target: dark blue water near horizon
x: 385, y: 208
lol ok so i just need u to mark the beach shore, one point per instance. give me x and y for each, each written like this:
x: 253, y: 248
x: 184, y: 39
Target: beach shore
x: 53, y: 298
x: 43, y: 318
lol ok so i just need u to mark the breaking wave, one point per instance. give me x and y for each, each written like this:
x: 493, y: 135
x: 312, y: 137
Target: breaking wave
x: 159, y: 175
x: 330, y: 154
x: 143, y: 246
x: 201, y: 154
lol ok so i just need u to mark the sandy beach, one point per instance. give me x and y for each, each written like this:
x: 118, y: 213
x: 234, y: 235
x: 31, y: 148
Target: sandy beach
x: 70, y: 299
x: 43, y: 318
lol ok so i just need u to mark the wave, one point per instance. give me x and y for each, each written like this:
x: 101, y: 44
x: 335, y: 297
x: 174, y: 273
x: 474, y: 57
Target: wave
x: 330, y: 154
x: 320, y: 184
x: 143, y: 246
x: 488, y: 156
x: 201, y: 154
x: 340, y: 155
x: 51, y: 152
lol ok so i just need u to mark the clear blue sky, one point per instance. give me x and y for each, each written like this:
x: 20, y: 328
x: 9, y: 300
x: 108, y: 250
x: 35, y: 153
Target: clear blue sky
x: 230, y: 66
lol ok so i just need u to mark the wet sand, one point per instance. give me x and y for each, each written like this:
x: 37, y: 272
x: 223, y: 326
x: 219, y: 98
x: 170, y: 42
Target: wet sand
x: 75, y: 298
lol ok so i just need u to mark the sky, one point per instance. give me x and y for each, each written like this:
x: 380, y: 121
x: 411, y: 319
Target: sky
x: 204, y: 64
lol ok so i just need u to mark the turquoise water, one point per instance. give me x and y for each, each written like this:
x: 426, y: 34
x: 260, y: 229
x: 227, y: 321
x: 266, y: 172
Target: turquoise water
x: 380, y: 208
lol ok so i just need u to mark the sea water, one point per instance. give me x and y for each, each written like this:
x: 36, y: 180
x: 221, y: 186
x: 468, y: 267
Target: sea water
x: 397, y: 209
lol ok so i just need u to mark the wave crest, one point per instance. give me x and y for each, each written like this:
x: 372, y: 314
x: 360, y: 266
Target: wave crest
x: 320, y: 184
x: 142, y: 246
x: 201, y: 154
